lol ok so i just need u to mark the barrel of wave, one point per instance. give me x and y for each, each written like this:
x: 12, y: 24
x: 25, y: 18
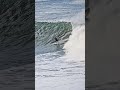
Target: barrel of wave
x: 75, y: 47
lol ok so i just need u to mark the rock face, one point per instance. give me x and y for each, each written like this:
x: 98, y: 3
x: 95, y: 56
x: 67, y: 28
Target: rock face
x: 17, y: 44
x: 103, y: 44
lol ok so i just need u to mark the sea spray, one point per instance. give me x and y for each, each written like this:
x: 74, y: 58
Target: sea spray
x: 75, y: 47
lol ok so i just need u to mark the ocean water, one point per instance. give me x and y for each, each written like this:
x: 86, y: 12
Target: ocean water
x: 60, y: 45
x: 58, y: 10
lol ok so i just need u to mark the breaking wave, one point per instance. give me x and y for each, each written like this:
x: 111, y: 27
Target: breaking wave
x: 69, y: 37
x: 51, y: 36
x: 75, y: 47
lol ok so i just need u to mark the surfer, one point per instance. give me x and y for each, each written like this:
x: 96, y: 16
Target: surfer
x: 56, y: 39
x: 57, y: 44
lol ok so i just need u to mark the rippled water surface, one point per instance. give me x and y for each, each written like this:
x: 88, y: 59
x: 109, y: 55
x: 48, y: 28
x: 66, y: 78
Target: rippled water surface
x: 57, y: 10
x: 55, y: 72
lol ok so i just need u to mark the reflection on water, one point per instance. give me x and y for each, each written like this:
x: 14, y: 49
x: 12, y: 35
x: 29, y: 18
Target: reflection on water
x: 55, y: 72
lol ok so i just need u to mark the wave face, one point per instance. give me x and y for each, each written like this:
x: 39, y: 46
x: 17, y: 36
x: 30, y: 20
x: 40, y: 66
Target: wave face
x: 51, y: 34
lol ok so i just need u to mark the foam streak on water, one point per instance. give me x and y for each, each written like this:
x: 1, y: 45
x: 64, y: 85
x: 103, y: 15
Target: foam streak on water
x: 55, y: 72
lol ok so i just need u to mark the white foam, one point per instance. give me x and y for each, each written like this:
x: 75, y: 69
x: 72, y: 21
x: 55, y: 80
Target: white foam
x: 75, y: 47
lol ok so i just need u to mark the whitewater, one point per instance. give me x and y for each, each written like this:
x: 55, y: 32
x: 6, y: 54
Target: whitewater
x: 60, y: 64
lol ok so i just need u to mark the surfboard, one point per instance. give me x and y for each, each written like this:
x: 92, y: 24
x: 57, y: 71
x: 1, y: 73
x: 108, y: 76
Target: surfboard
x: 60, y: 42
